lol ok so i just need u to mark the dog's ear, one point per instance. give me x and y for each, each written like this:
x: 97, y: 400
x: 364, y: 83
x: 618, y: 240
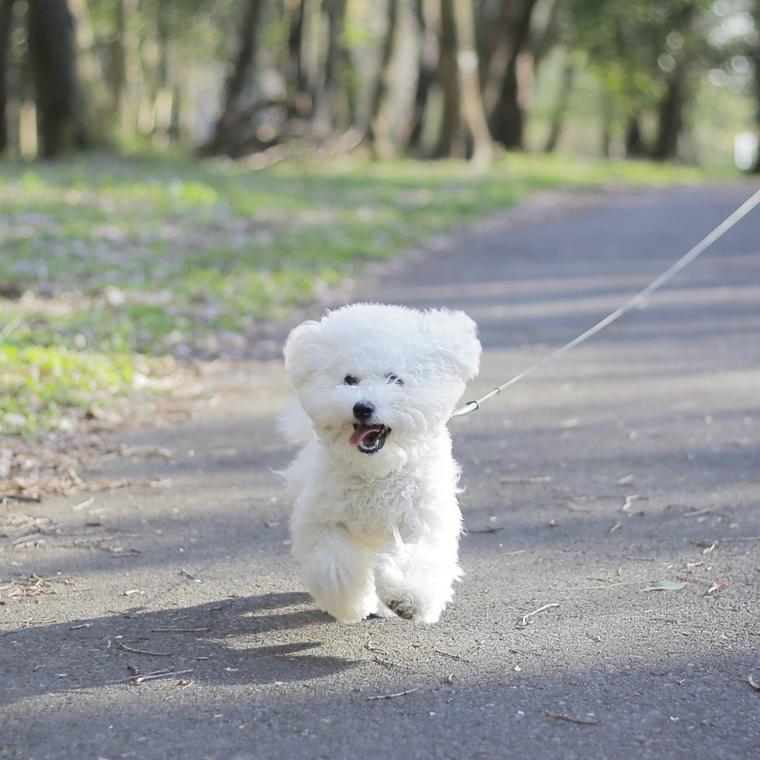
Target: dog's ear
x: 302, y: 351
x: 455, y: 339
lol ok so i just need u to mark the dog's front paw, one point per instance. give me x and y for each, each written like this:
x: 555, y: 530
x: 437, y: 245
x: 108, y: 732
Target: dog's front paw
x: 403, y: 607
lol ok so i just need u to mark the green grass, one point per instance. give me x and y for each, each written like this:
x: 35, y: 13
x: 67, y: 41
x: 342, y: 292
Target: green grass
x: 119, y: 257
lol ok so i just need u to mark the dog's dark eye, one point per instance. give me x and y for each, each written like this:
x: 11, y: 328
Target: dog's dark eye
x: 350, y: 380
x: 394, y: 379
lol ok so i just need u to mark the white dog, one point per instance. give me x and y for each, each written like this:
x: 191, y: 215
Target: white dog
x: 376, y: 523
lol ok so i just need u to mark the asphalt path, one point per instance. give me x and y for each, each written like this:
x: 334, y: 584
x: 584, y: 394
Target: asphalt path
x: 631, y: 463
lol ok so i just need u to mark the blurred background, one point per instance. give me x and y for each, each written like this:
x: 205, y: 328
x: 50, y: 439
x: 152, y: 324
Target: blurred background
x: 175, y: 177
x: 662, y: 79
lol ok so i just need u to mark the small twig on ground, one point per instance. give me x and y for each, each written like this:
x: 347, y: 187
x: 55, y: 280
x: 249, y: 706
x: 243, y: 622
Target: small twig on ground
x: 381, y: 660
x: 83, y: 504
x: 698, y: 513
x: 493, y: 529
x: 569, y: 719
x: 135, y: 674
x: 451, y: 654
x: 753, y: 683
x: 529, y: 479
x: 118, y: 553
x: 370, y: 647
x: 383, y: 657
x: 178, y: 630
x: 143, y: 651
x: 523, y: 621
x: 738, y: 538
x: 188, y: 574
x: 137, y: 680
x: 600, y: 588
x: 394, y: 695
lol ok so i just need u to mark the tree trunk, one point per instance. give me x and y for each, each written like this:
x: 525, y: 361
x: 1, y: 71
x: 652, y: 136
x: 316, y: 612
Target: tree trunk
x: 670, y: 110
x: 473, y: 113
x: 560, y: 107
x: 118, y: 69
x: 296, y: 82
x: 223, y: 138
x: 6, y: 21
x: 426, y: 61
x: 669, y: 119
x: 93, y: 108
x: 52, y: 53
x: 489, y: 28
x: 163, y: 101
x: 125, y: 67
x: 606, y: 136
x: 755, y: 11
x: 448, y: 81
x: 335, y: 102
x: 634, y: 141
x: 377, y: 132
x: 506, y: 119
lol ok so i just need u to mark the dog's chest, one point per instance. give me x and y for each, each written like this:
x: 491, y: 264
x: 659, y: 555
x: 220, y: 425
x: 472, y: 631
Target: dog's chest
x: 378, y: 508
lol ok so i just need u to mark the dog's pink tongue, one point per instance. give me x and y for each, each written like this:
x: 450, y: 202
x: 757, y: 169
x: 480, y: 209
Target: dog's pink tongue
x: 362, y: 432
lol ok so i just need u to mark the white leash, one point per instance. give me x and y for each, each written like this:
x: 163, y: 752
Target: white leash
x: 634, y: 301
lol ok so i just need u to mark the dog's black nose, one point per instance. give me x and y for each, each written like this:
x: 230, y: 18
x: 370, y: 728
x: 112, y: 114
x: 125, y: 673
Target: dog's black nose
x: 363, y: 410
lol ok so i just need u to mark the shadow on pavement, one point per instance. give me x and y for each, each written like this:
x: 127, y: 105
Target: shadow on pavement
x: 105, y: 651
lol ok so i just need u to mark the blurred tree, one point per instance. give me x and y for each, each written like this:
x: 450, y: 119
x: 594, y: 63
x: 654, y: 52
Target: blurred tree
x: 448, y: 81
x: 755, y: 55
x: 227, y: 137
x: 463, y: 125
x: 507, y: 34
x: 6, y: 21
x: 93, y: 107
x: 473, y: 112
x: 300, y: 98
x: 676, y: 61
x: 558, y: 32
x: 427, y: 56
x: 645, y: 53
x: 561, y: 103
x: 52, y: 52
x: 377, y: 131
x: 335, y: 102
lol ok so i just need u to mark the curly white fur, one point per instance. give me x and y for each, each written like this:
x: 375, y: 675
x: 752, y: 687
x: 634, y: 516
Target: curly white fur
x: 378, y: 533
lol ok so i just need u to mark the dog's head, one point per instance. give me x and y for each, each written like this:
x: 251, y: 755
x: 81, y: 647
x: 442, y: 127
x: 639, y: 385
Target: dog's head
x: 376, y: 380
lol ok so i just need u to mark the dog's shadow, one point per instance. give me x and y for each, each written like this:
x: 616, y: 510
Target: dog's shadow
x: 223, y: 642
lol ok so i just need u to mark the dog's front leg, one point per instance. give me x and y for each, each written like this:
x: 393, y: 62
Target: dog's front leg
x: 337, y: 570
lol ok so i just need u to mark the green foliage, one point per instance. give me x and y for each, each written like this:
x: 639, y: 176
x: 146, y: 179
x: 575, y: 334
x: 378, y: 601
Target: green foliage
x: 125, y: 257
x: 41, y: 384
x: 633, y: 46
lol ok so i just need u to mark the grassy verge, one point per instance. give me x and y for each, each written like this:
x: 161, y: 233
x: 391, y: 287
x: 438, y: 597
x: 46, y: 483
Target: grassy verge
x: 106, y: 260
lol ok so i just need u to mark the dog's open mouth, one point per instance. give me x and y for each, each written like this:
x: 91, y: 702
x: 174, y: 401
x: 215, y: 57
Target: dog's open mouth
x: 369, y: 439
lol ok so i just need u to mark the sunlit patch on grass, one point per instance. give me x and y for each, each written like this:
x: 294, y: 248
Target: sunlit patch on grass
x: 42, y: 385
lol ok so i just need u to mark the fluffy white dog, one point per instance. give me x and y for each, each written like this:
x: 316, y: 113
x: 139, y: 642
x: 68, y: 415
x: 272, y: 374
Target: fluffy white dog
x: 376, y: 523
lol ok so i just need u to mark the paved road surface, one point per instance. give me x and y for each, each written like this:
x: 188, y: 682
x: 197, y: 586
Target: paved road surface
x: 633, y: 460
